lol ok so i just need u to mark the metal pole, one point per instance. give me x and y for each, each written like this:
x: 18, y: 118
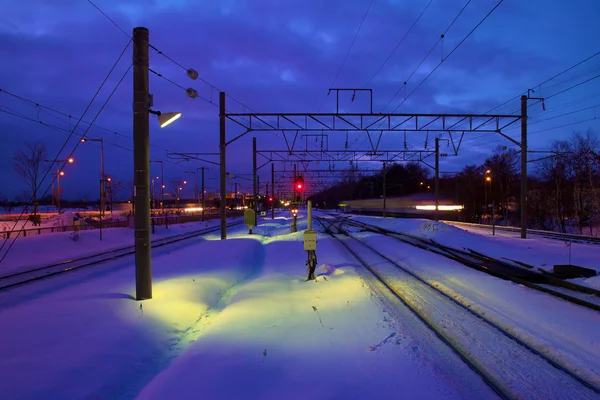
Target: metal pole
x: 273, y: 189
x: 102, y: 188
x: 195, y: 189
x: 202, y: 188
x: 58, y: 190
x: 223, y: 171
x: 162, y: 188
x: 493, y: 218
x: 384, y: 190
x: 141, y: 164
x: 437, y: 178
x: 309, y: 216
x: 294, y: 183
x: 101, y: 183
x: 254, y: 197
x: 523, y: 167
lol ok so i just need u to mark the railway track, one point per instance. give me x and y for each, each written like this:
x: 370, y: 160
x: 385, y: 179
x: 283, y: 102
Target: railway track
x: 35, y: 274
x: 509, y: 366
x: 578, y: 294
x: 565, y: 237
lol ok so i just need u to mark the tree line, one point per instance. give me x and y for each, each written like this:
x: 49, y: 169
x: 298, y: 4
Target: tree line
x: 562, y: 191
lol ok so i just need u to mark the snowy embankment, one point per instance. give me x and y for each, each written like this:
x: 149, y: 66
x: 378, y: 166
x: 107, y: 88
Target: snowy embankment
x: 40, y: 250
x: 565, y: 332
x: 536, y: 251
x: 94, y: 340
x: 229, y: 319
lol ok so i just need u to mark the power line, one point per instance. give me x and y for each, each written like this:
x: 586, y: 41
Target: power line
x: 349, y: 49
x: 68, y: 157
x: 109, y: 18
x: 65, y: 144
x: 398, y: 44
x: 427, y: 55
x: 449, y: 54
x: 44, y: 108
x: 546, y: 81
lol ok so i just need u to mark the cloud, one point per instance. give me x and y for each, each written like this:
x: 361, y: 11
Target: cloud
x: 274, y: 56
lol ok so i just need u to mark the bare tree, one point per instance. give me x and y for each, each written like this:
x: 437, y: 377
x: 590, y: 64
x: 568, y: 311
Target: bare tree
x: 27, y: 165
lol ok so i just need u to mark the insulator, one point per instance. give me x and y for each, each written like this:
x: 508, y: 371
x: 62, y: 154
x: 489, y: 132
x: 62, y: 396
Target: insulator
x: 192, y: 93
x: 192, y: 74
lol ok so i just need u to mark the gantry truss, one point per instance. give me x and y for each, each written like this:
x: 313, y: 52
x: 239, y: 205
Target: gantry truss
x: 351, y: 156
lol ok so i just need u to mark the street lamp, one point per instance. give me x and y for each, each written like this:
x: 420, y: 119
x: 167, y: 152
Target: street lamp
x: 166, y: 118
x: 162, y: 185
x: 488, y: 179
x: 102, y: 178
x: 195, y: 189
x: 59, y: 173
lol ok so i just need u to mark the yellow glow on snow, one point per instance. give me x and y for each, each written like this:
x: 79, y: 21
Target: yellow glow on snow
x: 180, y: 301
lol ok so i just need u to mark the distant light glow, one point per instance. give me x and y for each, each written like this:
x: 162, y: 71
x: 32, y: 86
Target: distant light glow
x: 442, y: 208
x: 192, y: 209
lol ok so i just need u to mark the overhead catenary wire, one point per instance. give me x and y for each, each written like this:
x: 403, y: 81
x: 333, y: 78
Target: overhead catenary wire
x: 180, y: 65
x: 561, y: 92
x: 67, y: 141
x: 64, y: 162
x: 53, y: 110
x: 546, y: 81
x: 339, y: 70
x: 449, y: 54
x: 428, y: 54
x: 7, y: 110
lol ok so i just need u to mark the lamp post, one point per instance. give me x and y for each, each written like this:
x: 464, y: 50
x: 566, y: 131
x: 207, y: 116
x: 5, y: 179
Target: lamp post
x: 142, y: 103
x: 59, y: 173
x: 102, y: 178
x: 195, y: 189
x: 488, y: 179
x: 162, y: 185
x: 202, y: 189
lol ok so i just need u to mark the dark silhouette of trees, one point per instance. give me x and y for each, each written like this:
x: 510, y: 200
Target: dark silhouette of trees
x: 27, y: 164
x: 563, y: 186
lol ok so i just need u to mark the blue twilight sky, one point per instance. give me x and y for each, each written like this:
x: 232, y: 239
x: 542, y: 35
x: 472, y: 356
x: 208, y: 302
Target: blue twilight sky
x: 282, y: 56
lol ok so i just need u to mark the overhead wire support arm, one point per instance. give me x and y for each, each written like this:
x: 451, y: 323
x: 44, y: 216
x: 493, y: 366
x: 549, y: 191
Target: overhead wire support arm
x: 364, y: 122
x: 354, y: 90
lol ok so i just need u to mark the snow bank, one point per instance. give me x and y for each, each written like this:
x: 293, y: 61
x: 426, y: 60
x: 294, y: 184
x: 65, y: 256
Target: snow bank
x: 536, y: 251
x: 34, y: 251
x: 96, y: 341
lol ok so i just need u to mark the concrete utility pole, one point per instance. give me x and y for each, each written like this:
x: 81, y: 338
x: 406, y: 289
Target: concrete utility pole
x: 223, y: 170
x: 523, y: 167
x: 273, y: 189
x: 436, y: 184
x: 141, y: 164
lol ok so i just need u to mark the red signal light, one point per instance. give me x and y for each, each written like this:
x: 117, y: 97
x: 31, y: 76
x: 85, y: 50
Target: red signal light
x: 299, y: 186
x: 270, y: 199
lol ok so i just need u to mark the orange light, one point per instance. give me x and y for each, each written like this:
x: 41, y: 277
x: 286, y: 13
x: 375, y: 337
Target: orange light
x: 71, y: 160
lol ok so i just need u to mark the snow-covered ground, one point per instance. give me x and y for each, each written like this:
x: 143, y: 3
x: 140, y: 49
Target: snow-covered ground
x: 35, y: 251
x: 229, y: 319
x: 537, y: 251
x: 235, y: 319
